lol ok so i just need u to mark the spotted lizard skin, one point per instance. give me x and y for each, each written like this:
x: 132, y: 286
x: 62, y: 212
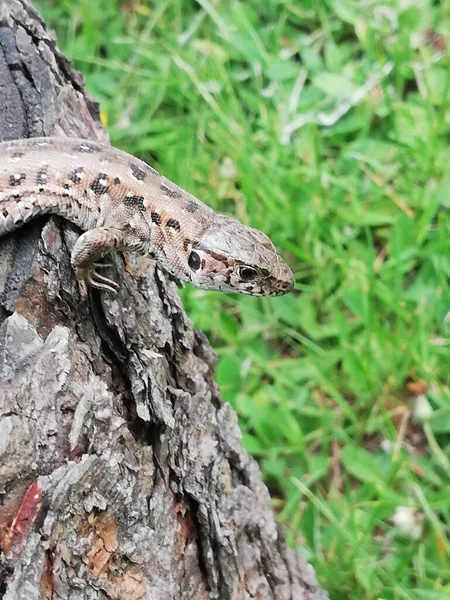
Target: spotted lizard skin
x: 123, y: 204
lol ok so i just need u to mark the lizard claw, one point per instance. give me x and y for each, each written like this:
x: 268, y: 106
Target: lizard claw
x: 94, y: 279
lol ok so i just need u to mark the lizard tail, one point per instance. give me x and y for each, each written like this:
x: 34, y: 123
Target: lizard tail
x: 16, y: 211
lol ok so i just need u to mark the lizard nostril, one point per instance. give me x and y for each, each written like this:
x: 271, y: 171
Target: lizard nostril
x: 286, y: 285
x: 290, y: 286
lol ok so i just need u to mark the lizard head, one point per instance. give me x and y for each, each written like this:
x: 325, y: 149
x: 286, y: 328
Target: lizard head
x: 232, y: 257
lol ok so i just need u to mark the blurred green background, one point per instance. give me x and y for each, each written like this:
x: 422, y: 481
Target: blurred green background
x: 326, y: 124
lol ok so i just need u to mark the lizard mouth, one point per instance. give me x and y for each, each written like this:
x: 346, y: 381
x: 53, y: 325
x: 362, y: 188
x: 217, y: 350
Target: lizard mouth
x: 284, y: 287
x: 268, y: 288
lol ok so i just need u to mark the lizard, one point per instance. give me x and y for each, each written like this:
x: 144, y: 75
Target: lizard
x: 123, y: 204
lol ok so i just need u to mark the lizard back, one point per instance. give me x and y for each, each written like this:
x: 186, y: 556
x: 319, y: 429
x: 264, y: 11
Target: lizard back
x: 84, y: 181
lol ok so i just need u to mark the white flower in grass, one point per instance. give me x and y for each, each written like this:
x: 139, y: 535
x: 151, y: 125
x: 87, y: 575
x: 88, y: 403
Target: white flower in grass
x: 387, y: 445
x: 409, y: 521
x: 227, y: 169
x: 422, y: 408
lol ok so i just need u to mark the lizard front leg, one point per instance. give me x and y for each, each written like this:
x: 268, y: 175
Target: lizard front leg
x: 94, y: 244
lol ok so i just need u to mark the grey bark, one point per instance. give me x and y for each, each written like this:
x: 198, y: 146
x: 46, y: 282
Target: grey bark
x: 121, y: 472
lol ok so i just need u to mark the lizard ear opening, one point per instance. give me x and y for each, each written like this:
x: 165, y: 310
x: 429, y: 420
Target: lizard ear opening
x: 194, y: 261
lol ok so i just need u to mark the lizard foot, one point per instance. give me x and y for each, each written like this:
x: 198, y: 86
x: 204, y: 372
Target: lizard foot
x: 93, y: 278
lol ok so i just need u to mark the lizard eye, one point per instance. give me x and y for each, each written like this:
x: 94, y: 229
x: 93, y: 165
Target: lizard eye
x: 246, y: 273
x: 194, y: 261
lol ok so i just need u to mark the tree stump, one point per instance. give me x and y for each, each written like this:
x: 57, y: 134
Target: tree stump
x: 121, y: 472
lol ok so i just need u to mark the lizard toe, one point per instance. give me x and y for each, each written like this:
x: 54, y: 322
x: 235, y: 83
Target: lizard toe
x: 95, y: 280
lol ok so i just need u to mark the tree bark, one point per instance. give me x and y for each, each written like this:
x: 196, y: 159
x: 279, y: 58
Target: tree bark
x: 121, y: 472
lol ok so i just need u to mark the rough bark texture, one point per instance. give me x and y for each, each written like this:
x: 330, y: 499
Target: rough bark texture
x: 121, y: 472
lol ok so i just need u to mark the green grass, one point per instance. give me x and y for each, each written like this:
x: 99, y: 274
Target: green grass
x: 235, y: 101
